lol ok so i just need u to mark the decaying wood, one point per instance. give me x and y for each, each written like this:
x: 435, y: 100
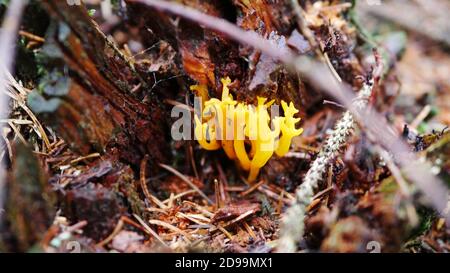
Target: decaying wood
x: 103, y: 52
x: 99, y: 110
x: 29, y: 209
x: 207, y: 55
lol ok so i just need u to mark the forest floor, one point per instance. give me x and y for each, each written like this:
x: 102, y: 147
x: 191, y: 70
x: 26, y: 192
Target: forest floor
x: 92, y: 165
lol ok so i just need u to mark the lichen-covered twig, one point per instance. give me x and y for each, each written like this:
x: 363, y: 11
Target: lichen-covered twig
x: 292, y: 226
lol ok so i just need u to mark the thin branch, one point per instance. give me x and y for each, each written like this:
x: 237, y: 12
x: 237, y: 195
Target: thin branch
x: 144, y: 187
x: 8, y: 35
x: 150, y: 231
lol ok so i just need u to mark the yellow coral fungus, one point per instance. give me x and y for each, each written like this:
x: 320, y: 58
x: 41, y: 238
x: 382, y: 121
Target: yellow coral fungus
x: 288, y: 128
x: 239, y: 127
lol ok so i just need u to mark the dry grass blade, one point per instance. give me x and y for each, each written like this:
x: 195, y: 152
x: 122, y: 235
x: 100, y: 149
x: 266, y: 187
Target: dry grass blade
x: 20, y: 99
x: 200, y: 208
x: 113, y: 234
x: 171, y: 227
x: 235, y: 220
x: 253, y: 188
x: 196, y: 218
x: 224, y: 231
x: 31, y: 36
x: 217, y: 194
x: 18, y: 134
x: 175, y: 197
x: 239, y: 218
x: 93, y: 155
x: 144, y: 187
x: 150, y: 231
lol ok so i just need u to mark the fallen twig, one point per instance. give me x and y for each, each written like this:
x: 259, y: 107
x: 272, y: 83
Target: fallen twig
x: 150, y: 231
x: 171, y: 227
x: 113, y: 234
x: 144, y: 187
